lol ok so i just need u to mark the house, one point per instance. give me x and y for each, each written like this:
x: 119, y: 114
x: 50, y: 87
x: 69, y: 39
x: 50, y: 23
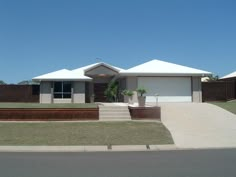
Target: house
x: 172, y: 82
x: 231, y: 76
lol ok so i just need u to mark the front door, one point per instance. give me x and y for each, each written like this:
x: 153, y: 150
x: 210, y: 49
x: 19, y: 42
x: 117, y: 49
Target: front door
x: 99, y: 89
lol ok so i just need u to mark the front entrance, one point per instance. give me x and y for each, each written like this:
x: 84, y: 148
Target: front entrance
x: 99, y: 89
x: 102, y: 74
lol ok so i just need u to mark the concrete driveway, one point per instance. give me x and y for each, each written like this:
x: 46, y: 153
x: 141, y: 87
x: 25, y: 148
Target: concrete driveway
x: 199, y: 125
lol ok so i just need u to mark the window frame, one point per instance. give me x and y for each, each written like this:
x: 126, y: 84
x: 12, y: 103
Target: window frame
x: 61, y: 92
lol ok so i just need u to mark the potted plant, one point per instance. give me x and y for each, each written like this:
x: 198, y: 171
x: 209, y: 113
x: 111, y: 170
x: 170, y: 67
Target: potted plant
x: 92, y: 97
x: 141, y: 97
x: 129, y: 94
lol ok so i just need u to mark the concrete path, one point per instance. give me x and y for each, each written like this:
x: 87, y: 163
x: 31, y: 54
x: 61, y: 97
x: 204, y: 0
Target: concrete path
x: 199, y: 125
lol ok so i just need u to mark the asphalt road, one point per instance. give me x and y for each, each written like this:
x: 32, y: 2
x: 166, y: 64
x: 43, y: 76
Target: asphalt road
x: 194, y: 163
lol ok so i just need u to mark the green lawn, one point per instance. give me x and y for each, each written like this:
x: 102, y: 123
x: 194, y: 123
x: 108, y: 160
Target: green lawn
x: 37, y: 105
x: 230, y: 105
x: 84, y: 133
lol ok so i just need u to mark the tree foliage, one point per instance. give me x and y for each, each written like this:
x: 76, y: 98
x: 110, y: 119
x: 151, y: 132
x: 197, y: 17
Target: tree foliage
x: 213, y: 78
x: 27, y: 82
x: 2, y: 82
x: 112, y: 91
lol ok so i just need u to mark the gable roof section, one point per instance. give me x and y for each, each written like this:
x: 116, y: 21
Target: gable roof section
x: 62, y: 74
x: 231, y: 75
x: 162, y: 68
x: 76, y: 74
x: 95, y: 65
x: 103, y: 64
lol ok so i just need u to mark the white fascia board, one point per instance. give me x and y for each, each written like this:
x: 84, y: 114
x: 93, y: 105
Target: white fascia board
x: 62, y: 79
x: 165, y: 74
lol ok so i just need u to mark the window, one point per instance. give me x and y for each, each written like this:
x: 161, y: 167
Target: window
x: 62, y: 90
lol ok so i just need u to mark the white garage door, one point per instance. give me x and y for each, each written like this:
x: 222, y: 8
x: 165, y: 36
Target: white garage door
x: 169, y: 89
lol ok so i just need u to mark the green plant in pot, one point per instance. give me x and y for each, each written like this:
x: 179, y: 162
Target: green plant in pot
x: 129, y: 94
x: 141, y: 97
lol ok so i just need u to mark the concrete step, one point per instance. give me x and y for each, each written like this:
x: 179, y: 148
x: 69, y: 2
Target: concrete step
x: 118, y: 117
x: 117, y: 107
x: 114, y: 113
x: 113, y: 109
x: 115, y: 117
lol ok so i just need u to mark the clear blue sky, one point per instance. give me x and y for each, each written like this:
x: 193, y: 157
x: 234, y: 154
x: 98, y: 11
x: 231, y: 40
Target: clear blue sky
x: 40, y: 36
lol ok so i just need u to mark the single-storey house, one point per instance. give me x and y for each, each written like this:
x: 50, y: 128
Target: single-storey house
x: 231, y: 76
x: 172, y: 82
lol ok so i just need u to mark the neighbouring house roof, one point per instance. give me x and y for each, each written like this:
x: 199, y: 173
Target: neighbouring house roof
x: 162, y: 68
x: 151, y: 68
x: 231, y: 75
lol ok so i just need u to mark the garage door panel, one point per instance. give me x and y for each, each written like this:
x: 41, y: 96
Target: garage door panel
x: 152, y: 99
x: 170, y: 89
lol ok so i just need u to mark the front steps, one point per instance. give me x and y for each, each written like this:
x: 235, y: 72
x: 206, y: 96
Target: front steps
x: 114, y: 112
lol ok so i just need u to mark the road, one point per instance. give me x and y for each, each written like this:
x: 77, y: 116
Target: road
x: 187, y: 163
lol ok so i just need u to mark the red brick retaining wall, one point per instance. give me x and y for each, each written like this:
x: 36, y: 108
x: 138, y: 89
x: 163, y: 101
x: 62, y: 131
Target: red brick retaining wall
x: 49, y: 114
x: 145, y: 112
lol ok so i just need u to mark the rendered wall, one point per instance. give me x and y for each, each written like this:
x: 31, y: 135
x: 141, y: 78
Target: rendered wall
x: 62, y: 100
x: 131, y: 84
x: 196, y: 89
x: 45, y: 92
x: 79, y: 92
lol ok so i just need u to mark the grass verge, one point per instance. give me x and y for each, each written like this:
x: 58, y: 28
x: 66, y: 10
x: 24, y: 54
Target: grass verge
x: 38, y: 105
x: 230, y: 105
x: 84, y: 133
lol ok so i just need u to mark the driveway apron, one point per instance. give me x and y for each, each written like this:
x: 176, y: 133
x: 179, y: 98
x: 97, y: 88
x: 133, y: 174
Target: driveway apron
x: 199, y: 125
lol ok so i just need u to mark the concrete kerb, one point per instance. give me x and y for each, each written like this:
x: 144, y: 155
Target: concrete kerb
x: 112, y: 148
x: 129, y: 148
